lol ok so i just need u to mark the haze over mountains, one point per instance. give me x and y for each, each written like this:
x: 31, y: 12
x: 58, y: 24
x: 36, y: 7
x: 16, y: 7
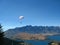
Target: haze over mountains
x: 32, y: 30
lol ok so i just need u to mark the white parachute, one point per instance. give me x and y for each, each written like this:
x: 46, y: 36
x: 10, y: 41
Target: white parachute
x: 21, y: 18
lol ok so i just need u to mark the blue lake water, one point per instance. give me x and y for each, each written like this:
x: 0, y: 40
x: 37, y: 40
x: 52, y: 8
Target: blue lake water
x: 57, y: 38
x: 45, y: 42
x: 37, y: 42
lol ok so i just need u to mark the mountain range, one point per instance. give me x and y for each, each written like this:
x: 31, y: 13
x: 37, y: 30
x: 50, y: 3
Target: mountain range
x: 29, y: 29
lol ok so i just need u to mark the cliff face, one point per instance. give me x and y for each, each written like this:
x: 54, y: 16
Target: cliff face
x: 27, y: 36
x: 46, y: 30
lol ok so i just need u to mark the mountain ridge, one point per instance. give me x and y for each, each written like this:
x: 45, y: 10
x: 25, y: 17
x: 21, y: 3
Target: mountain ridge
x: 32, y: 30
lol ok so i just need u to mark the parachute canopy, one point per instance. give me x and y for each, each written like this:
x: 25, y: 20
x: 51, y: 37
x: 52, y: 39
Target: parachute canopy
x: 21, y: 17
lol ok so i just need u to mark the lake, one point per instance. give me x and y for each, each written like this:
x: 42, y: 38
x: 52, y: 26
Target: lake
x: 45, y: 42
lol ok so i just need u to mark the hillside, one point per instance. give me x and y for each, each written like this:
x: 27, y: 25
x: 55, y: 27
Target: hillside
x: 6, y: 41
x: 45, y: 30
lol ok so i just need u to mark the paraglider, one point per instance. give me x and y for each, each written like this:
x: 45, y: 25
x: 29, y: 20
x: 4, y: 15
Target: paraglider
x: 21, y: 18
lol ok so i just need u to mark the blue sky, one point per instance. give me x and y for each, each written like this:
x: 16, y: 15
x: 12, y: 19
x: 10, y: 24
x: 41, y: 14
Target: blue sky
x: 35, y: 12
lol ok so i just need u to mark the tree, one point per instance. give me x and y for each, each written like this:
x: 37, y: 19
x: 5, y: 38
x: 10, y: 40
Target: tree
x: 1, y: 36
x: 1, y: 32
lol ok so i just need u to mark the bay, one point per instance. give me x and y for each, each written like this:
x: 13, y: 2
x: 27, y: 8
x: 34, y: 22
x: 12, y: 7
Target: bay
x: 43, y: 42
